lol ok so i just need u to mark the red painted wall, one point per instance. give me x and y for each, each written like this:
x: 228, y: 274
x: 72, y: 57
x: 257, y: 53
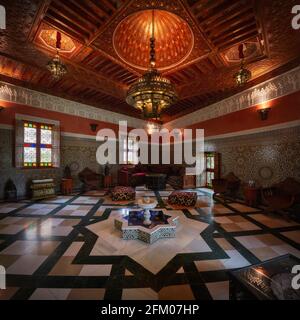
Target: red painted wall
x: 68, y: 123
x: 282, y: 110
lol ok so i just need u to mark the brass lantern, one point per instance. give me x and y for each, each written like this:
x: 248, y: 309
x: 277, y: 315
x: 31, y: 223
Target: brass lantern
x: 55, y: 66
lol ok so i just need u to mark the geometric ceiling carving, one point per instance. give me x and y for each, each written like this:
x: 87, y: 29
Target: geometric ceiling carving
x: 106, y: 47
x: 251, y: 50
x: 174, y: 39
x: 48, y: 38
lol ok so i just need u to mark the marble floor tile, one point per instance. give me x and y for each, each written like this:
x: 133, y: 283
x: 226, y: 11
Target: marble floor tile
x: 234, y: 260
x: 250, y: 242
x: 273, y: 221
x: 74, y: 210
x: 139, y: 294
x: 235, y: 223
x: 8, y: 293
x: 38, y: 209
x: 224, y: 244
x: 180, y: 270
x: 218, y: 290
x: 86, y: 200
x: 59, y: 199
x: 220, y: 209
x: 65, y: 267
x: 25, y: 222
x: 264, y: 253
x: 180, y: 292
x: 242, y: 208
x: 267, y: 246
x: 292, y: 235
x: 73, y: 249
x: 95, y: 270
x: 6, y: 260
x: 96, y: 193
x: 31, y: 247
x: 10, y: 229
x: 50, y: 294
x: 52, y: 227
x: 6, y: 207
x: 128, y: 273
x: 87, y: 294
x: 26, y: 264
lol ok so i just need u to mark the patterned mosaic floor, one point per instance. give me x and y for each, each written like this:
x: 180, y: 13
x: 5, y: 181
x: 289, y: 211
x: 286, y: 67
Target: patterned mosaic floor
x: 68, y: 248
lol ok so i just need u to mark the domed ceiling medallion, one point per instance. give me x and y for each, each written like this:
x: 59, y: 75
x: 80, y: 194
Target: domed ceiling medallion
x: 173, y: 35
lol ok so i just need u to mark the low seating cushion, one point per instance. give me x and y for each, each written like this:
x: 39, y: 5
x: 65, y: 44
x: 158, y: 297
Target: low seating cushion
x: 183, y: 198
x: 120, y: 193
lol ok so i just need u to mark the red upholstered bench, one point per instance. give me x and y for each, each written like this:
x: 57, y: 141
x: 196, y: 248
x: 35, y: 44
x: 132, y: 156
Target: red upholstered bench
x: 122, y: 193
x: 183, y: 198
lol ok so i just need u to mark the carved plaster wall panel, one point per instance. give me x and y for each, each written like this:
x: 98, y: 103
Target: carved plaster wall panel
x: 282, y: 85
x: 12, y: 93
x: 263, y: 157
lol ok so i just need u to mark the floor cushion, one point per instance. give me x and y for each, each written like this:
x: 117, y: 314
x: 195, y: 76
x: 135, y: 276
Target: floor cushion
x: 183, y: 198
x: 120, y: 193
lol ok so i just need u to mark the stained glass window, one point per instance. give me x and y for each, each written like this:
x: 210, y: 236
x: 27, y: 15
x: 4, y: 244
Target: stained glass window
x: 37, y: 147
x: 46, y: 156
x: 46, y: 136
x: 30, y: 156
x: 30, y: 133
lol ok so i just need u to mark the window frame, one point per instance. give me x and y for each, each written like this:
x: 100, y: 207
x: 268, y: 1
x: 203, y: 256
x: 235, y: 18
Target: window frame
x: 38, y: 144
x: 209, y: 170
x: 132, y: 150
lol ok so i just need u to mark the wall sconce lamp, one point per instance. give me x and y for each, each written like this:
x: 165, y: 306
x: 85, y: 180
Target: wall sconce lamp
x: 264, y: 113
x: 94, y: 126
x: 1, y: 108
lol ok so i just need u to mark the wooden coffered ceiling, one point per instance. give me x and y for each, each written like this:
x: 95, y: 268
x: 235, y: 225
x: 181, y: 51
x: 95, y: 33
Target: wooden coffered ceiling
x: 94, y: 32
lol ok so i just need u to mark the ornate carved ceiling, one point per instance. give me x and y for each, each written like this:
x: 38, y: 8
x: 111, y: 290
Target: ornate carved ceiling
x: 174, y: 39
x: 105, y: 46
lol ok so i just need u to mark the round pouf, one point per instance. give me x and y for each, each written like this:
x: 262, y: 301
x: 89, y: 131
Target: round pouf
x: 183, y: 198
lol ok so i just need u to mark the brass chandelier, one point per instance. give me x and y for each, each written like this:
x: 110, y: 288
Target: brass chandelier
x: 55, y: 66
x: 243, y: 75
x: 152, y: 93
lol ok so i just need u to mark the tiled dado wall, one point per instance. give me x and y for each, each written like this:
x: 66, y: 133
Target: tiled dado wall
x: 77, y: 153
x: 267, y: 157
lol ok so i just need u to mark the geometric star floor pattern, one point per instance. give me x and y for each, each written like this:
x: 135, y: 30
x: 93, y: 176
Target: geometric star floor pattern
x: 67, y: 248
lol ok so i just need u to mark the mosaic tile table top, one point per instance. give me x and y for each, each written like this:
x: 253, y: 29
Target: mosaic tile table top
x: 69, y: 248
x: 162, y: 226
